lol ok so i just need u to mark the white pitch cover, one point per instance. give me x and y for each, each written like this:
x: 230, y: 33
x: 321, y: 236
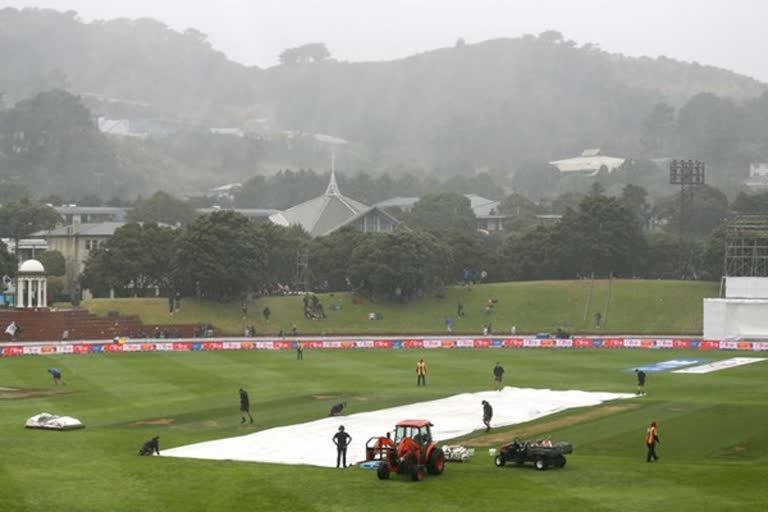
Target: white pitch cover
x: 721, y: 365
x: 454, y: 416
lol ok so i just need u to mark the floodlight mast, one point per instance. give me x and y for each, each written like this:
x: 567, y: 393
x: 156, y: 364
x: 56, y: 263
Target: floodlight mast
x: 688, y: 174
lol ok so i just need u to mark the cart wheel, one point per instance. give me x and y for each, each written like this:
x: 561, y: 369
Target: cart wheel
x: 500, y: 461
x: 417, y: 475
x: 383, y: 471
x: 560, y: 461
x: 540, y: 464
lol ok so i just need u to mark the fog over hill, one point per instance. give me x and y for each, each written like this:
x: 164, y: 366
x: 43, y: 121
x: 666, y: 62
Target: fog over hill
x: 491, y: 105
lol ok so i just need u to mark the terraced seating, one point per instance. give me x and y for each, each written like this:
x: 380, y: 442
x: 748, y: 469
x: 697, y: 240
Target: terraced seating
x: 47, y: 325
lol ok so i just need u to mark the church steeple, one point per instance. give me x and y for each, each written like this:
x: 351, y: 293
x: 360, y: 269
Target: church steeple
x: 333, y: 188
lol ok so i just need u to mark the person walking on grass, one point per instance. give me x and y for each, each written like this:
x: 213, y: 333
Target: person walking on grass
x: 245, y: 406
x: 341, y: 439
x: 640, y: 382
x: 421, y: 373
x: 651, y: 438
x: 498, y: 376
x: 56, y: 374
x: 299, y: 351
x: 487, y: 415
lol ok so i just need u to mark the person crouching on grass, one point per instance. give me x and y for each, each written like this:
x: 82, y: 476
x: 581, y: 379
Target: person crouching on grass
x: 245, y: 406
x: 56, y: 374
x: 150, y: 447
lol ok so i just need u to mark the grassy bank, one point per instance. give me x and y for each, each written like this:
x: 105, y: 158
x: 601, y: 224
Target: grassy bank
x: 627, y: 306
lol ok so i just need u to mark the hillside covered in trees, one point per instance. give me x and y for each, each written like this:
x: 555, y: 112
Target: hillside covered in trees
x: 504, y: 105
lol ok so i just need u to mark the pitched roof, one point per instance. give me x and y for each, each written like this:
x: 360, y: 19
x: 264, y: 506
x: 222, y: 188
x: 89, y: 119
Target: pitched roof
x: 323, y: 214
x: 86, y: 229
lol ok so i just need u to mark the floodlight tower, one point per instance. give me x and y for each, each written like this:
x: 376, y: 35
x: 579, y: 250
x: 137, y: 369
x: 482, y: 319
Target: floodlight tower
x: 688, y: 174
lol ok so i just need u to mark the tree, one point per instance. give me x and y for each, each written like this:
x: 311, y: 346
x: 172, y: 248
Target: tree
x: 659, y: 130
x: 135, y: 261
x: 162, y: 207
x: 7, y: 263
x: 220, y: 256
x: 634, y: 197
x: 284, y: 245
x: 708, y: 208
x: 312, y: 52
x: 520, y: 211
x: 448, y: 211
x: 536, y: 180
x: 603, y: 237
x: 22, y: 218
x: 400, y: 264
x: 329, y: 257
x: 53, y: 261
x: 534, y: 255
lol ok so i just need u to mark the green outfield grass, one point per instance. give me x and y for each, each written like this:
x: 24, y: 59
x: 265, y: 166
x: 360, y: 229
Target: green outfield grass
x: 714, y: 451
x: 635, y: 307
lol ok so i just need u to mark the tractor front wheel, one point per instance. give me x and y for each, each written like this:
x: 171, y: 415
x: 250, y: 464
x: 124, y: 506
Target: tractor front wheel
x: 540, y: 464
x: 417, y: 474
x: 436, y: 463
x: 383, y: 471
x: 500, y: 461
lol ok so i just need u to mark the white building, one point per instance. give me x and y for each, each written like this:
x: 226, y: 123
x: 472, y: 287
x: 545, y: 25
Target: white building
x: 591, y: 162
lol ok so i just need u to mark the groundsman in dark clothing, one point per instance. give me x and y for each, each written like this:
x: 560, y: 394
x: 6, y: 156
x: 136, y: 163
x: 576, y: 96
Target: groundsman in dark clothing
x: 640, y: 382
x: 245, y: 406
x: 341, y: 440
x: 151, y: 447
x: 487, y: 415
x: 337, y: 408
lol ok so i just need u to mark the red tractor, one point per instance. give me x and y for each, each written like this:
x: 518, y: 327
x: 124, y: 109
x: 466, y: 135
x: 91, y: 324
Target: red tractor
x: 410, y: 452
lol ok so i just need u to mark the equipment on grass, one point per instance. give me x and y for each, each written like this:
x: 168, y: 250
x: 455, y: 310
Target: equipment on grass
x: 410, y: 452
x: 49, y: 421
x: 543, y: 453
x: 457, y: 453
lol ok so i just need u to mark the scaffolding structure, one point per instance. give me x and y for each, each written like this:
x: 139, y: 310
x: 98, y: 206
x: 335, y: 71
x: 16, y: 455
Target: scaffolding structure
x: 301, y: 276
x: 746, y: 247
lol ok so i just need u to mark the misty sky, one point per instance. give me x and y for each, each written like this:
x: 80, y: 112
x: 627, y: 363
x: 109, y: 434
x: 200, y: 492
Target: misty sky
x: 731, y: 34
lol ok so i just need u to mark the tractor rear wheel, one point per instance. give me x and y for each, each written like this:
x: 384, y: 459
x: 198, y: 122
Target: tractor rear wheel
x: 383, y: 471
x: 436, y: 463
x: 560, y: 461
x: 417, y: 474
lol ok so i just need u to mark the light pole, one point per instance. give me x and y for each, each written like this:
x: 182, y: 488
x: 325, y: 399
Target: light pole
x: 688, y: 174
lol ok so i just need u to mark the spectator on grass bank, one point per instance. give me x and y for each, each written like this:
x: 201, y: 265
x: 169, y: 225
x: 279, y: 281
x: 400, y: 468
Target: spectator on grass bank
x: 65, y: 335
x: 498, y: 376
x: 171, y: 305
x: 341, y: 439
x: 245, y: 406
x: 640, y: 382
x: 448, y: 325
x: 651, y: 438
x: 598, y: 319
x: 459, y: 310
x: 266, y: 313
x: 421, y: 373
